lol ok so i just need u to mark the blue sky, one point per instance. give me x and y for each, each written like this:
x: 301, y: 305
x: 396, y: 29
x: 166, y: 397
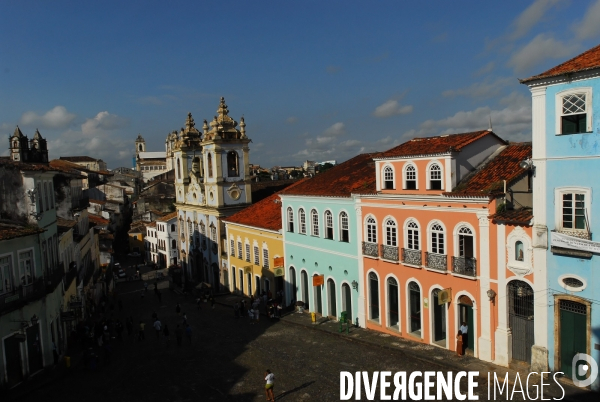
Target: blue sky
x: 314, y: 80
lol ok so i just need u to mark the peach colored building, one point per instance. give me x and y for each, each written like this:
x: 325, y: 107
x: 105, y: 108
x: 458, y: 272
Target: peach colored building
x: 429, y: 248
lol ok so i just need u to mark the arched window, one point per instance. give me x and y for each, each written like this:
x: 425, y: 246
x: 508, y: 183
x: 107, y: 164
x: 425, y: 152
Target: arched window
x: 412, y: 236
x: 344, y: 229
x: 178, y: 168
x: 232, y: 164
x: 390, y: 233
x: 410, y: 178
x: 328, y: 225
x: 290, y: 216
x: 393, y: 304
x: 314, y: 220
x: 437, y: 239
x: 435, y: 177
x: 371, y: 230
x: 302, y: 219
x: 265, y: 257
x: 519, y: 251
x: 210, y: 166
x: 465, y: 242
x: 140, y: 147
x: 414, y: 308
x: 173, y: 244
x: 388, y: 178
x: 373, y: 297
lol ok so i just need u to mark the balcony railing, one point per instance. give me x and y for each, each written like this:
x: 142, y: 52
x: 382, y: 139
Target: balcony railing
x: 412, y: 257
x: 370, y: 249
x: 389, y: 252
x: 464, y: 266
x: 21, y: 295
x: 437, y: 261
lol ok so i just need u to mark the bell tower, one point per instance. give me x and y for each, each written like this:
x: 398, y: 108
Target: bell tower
x: 226, y: 157
x: 19, y: 146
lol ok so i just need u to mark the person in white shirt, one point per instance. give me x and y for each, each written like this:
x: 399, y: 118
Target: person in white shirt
x: 464, y: 328
x: 270, y: 385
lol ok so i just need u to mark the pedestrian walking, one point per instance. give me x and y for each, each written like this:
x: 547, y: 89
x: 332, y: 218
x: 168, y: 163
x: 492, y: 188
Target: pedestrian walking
x: 198, y: 301
x: 459, y: 344
x: 157, y: 326
x: 178, y: 334
x: 166, y: 334
x: 184, y: 322
x: 178, y: 309
x: 188, y: 332
x: 464, y: 328
x: 142, y: 336
x: 270, y: 385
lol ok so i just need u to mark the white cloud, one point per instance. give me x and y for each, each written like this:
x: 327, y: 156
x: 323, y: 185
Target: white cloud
x: 589, y: 27
x: 57, y: 117
x: 540, y: 48
x: 486, y: 69
x: 335, y: 130
x: 291, y: 120
x: 391, y: 108
x: 531, y: 16
x: 101, y: 122
x: 485, y: 89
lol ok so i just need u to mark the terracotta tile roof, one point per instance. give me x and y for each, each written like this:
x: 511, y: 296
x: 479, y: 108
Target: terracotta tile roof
x: 151, y: 224
x: 587, y: 60
x: 97, y: 219
x: 435, y: 145
x: 522, y: 216
x: 488, y: 178
x: 265, y: 214
x: 356, y: 175
x: 10, y: 164
x: 99, y: 202
x: 78, y: 158
x: 65, y: 223
x: 13, y: 231
x: 68, y: 167
x: 167, y: 217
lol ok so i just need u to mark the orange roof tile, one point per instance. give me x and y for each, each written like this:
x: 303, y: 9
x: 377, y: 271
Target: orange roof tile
x: 265, y: 214
x: 489, y: 178
x: 356, y: 175
x: 522, y: 216
x: 9, y: 163
x: 168, y: 217
x: 97, y: 219
x: 435, y: 145
x: 12, y: 231
x: 587, y: 60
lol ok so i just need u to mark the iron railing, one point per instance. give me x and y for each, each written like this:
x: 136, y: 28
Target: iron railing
x: 389, y: 252
x: 412, y: 257
x: 437, y: 261
x: 464, y: 266
x: 370, y: 249
x: 21, y: 295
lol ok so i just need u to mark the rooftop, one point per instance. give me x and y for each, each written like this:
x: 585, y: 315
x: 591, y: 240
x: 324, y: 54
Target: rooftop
x: 587, y: 60
x: 522, y: 216
x: 356, y: 175
x: 435, y: 145
x: 168, y: 217
x: 13, y: 230
x: 78, y: 159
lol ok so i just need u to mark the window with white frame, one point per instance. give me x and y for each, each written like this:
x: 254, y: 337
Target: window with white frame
x: 574, y: 111
x: 465, y: 242
x: 247, y: 252
x: 213, y: 233
x: 437, y: 239
x: 410, y: 177
x: 344, y: 228
x: 371, y: 230
x: 390, y: 233
x: 256, y: 255
x: 190, y: 229
x: 328, y: 225
x: 435, y: 177
x: 388, y: 178
x: 26, y: 267
x: 6, y: 274
x: 412, y: 236
x: 290, y: 216
x: 314, y: 217
x: 266, y: 257
x: 302, y: 219
x: 232, y: 246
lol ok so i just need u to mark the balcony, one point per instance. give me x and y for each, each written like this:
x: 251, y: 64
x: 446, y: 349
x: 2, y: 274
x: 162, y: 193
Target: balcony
x: 464, y: 266
x: 438, y: 262
x: 389, y: 252
x: 412, y: 257
x: 370, y: 249
x: 20, y: 296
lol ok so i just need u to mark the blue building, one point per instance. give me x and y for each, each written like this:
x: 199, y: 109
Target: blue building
x: 566, y: 232
x: 322, y: 239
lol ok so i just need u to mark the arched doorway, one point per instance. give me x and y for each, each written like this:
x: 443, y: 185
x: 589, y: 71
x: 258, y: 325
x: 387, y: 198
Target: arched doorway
x: 318, y: 298
x: 225, y: 279
x: 304, y: 284
x: 393, y: 304
x: 331, y: 297
x: 414, y: 309
x: 373, y: 297
x: 293, y: 288
x: 439, y: 319
x: 520, y: 319
x: 465, y: 317
x: 347, y: 301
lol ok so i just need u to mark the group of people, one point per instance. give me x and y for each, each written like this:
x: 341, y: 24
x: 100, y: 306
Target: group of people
x: 159, y: 328
x: 272, y: 307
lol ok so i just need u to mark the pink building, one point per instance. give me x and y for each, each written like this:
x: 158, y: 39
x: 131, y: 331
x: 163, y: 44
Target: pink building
x: 430, y: 252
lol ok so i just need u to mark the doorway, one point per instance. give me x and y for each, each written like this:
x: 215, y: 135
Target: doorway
x: 304, y: 280
x: 12, y: 354
x: 257, y: 283
x: 465, y: 314
x: 347, y: 301
x: 520, y: 319
x: 393, y: 305
x: 573, y: 333
x: 293, y: 288
x: 332, y: 309
x: 34, y: 349
x: 414, y: 308
x: 318, y: 299
x: 439, y: 319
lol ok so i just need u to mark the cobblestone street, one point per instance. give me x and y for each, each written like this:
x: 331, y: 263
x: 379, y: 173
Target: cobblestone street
x: 225, y: 360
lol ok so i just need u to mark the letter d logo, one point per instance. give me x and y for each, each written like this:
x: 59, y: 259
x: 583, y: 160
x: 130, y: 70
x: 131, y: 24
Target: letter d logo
x: 583, y: 369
